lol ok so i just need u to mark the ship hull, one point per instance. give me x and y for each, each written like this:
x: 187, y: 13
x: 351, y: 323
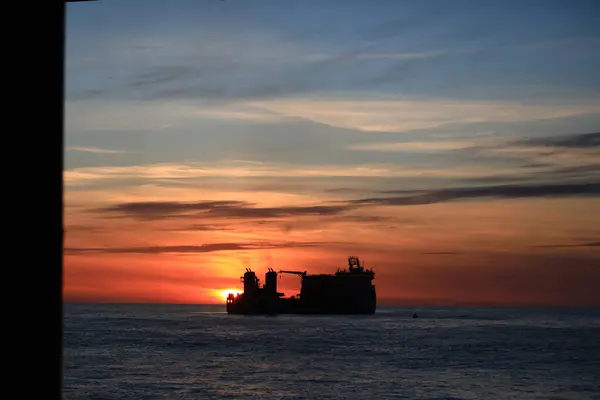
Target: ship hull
x: 240, y: 309
x: 367, y: 305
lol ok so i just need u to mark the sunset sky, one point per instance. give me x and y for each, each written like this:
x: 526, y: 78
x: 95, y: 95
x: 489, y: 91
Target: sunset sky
x: 453, y: 146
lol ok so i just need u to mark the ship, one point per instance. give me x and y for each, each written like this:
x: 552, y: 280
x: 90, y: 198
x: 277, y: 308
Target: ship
x: 347, y: 291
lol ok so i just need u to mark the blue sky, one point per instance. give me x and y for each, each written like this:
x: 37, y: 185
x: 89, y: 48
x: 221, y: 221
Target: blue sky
x: 295, y: 103
x: 160, y: 60
x: 459, y: 49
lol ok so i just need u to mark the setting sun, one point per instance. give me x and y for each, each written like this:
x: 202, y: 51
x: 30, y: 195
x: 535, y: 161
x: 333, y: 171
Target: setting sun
x: 223, y: 293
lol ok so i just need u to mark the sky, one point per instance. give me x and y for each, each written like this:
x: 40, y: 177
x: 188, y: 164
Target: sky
x: 453, y: 146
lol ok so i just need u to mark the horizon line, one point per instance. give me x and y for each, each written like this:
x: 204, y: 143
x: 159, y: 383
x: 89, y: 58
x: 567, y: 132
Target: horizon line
x: 432, y: 305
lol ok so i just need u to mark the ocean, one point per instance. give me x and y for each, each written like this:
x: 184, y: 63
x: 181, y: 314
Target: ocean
x: 200, y: 352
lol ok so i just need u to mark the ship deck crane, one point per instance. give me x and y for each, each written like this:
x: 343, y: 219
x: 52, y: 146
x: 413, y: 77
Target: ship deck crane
x: 299, y: 273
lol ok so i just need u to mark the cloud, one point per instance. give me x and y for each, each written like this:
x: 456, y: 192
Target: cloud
x: 367, y: 53
x: 571, y: 149
x: 366, y: 218
x: 575, y: 141
x: 240, y: 113
x: 578, y: 169
x: 429, y: 146
x: 367, y: 111
x: 157, y: 116
x: 200, y: 228
x: 218, y: 209
x: 442, y: 253
x: 385, y: 113
x: 254, y: 64
x: 83, y: 228
x: 383, y: 55
x: 554, y: 157
x: 208, y: 60
x: 590, y: 244
x: 243, y: 210
x: 502, y: 191
x: 90, y: 175
x: 206, y: 248
x: 159, y: 210
x: 495, y: 179
x: 95, y: 150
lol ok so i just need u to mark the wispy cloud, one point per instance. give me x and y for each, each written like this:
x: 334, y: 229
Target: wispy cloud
x: 156, y: 116
x: 207, y: 248
x: 95, y: 150
x: 377, y: 112
x: 503, y: 191
x: 244, y: 210
x: 541, y: 158
x: 430, y: 146
x: 575, y: 141
x: 547, y: 157
x: 257, y: 65
x: 369, y: 54
x: 200, y: 228
x: 218, y: 209
x: 590, y: 244
x: 90, y: 175
x: 364, y: 111
x: 83, y: 228
x: 374, y: 55
x: 442, y: 253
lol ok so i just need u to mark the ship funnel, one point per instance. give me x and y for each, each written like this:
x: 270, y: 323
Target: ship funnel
x: 271, y: 281
x: 250, y: 282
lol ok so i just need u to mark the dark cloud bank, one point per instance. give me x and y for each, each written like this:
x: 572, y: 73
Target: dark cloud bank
x: 591, y: 244
x: 246, y: 210
x: 218, y: 209
x: 578, y: 141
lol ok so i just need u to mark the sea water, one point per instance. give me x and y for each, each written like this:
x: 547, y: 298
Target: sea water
x: 200, y: 352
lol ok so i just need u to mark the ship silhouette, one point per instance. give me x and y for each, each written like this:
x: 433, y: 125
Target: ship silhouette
x: 347, y: 291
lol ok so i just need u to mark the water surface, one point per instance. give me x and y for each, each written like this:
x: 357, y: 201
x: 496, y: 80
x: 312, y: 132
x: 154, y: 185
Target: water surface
x: 200, y: 352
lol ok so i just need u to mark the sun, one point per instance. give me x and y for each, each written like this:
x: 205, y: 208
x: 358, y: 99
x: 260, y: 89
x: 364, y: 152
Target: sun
x: 223, y: 293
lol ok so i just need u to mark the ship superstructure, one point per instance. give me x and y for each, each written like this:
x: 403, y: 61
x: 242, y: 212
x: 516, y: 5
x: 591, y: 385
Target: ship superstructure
x: 347, y: 291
